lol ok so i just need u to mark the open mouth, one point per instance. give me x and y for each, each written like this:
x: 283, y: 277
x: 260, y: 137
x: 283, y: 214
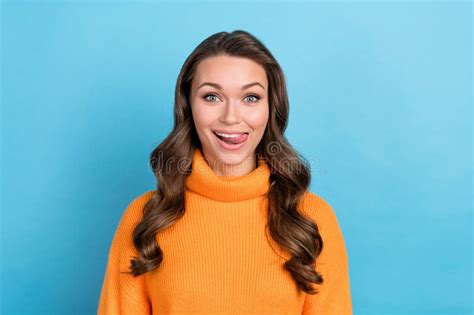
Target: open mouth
x: 232, y: 139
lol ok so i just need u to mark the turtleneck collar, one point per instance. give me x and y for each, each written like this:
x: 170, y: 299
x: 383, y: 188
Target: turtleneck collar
x: 204, y: 181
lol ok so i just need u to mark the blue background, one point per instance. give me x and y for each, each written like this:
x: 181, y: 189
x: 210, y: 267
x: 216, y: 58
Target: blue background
x: 381, y: 106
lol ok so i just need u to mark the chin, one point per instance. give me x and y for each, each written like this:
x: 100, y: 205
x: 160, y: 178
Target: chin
x: 230, y: 158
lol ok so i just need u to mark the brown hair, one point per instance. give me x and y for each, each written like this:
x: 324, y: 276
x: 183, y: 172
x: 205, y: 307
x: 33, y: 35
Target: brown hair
x: 294, y: 232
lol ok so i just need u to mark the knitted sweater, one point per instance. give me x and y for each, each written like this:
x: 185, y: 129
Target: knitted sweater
x: 217, y: 258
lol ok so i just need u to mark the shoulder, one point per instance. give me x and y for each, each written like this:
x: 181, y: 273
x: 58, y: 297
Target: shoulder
x: 323, y: 214
x: 140, y: 201
x: 122, y: 244
x: 133, y: 211
x: 316, y: 207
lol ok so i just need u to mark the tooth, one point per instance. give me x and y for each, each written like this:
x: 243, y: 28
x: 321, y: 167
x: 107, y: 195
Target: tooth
x: 228, y: 136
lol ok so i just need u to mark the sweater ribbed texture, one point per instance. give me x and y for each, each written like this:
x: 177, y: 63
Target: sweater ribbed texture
x: 217, y: 258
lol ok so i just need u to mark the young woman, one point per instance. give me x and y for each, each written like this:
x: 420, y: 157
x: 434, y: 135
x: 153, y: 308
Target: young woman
x: 231, y: 227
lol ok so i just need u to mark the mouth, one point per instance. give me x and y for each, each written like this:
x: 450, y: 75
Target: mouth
x: 231, y: 141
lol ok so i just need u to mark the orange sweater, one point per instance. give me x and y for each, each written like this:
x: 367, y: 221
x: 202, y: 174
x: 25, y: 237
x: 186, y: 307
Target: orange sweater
x: 217, y: 258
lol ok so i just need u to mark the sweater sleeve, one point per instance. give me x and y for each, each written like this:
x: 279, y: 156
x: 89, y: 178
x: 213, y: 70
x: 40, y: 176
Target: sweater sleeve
x: 124, y: 294
x: 334, y: 297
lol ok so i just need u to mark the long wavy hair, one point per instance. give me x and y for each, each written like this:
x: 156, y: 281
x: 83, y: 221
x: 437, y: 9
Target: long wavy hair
x: 294, y: 232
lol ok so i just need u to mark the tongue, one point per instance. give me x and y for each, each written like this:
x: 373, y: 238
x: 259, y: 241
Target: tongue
x: 235, y: 140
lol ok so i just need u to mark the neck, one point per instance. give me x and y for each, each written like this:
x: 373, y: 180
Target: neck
x: 204, y: 181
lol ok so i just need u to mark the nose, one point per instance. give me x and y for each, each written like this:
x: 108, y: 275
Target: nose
x: 230, y: 113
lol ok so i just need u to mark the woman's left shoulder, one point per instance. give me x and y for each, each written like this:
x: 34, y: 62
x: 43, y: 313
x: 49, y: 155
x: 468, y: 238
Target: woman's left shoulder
x: 316, y: 207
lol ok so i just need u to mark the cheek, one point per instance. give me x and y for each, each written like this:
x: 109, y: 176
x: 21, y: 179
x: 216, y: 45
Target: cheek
x: 202, y: 116
x: 258, y: 119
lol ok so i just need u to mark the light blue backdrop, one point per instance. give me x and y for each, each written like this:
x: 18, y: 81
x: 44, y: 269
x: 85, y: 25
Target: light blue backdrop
x: 381, y: 105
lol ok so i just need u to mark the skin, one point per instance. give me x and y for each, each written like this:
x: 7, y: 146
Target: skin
x: 229, y: 108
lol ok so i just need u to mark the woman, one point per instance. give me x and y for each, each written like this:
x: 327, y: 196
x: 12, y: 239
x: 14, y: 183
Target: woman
x: 231, y: 227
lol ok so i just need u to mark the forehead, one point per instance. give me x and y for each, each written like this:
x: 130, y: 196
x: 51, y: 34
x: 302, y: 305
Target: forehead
x: 229, y: 71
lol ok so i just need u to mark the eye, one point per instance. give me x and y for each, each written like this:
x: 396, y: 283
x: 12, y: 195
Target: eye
x: 255, y: 97
x: 210, y: 94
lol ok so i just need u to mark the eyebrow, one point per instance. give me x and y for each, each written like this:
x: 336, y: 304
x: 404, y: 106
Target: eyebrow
x: 217, y: 86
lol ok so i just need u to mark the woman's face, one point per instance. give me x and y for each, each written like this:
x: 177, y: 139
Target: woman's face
x: 229, y: 95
